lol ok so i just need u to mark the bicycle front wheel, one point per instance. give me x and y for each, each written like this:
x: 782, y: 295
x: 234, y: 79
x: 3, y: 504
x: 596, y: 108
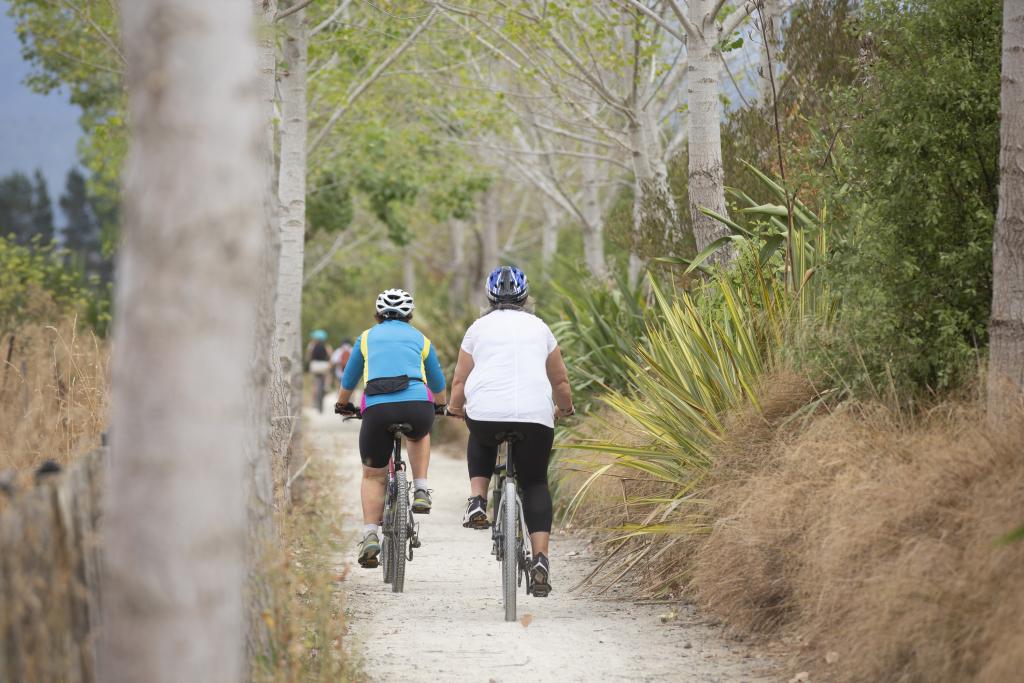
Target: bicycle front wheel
x: 510, y: 548
x: 400, y: 532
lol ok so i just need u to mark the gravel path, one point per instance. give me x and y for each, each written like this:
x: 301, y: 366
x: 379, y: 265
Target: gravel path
x: 449, y: 626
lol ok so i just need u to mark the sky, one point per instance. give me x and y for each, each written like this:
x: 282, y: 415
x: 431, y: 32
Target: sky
x: 36, y: 131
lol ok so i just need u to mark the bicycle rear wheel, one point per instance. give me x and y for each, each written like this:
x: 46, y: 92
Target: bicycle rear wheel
x: 400, y: 532
x: 387, y: 524
x: 510, y: 548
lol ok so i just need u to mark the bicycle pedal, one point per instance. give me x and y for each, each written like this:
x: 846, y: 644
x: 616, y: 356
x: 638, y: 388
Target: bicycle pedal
x: 416, y: 542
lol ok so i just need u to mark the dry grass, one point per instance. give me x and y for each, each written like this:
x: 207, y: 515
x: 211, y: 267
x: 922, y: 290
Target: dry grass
x: 873, y: 537
x: 53, y: 394
x: 611, y: 499
x: 309, y: 625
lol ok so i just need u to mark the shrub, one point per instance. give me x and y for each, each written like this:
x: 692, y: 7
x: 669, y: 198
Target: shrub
x: 914, y: 264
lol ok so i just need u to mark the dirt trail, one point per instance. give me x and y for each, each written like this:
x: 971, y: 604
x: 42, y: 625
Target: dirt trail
x: 449, y: 623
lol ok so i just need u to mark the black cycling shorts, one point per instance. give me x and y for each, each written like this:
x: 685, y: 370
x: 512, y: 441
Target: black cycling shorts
x: 375, y: 443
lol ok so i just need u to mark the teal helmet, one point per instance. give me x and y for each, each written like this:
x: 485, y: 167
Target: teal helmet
x: 318, y: 335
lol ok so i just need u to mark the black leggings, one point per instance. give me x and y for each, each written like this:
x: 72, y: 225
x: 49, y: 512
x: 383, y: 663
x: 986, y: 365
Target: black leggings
x: 530, y: 458
x: 375, y: 442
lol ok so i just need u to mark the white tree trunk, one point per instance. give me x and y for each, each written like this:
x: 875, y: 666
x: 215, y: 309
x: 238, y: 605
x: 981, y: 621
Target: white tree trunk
x: 260, y: 488
x: 655, y: 215
x: 292, y: 195
x: 704, y: 120
x: 458, y: 296
x: 549, y: 241
x: 593, y: 225
x: 1006, y: 329
x: 174, y: 506
x: 409, y: 269
x: 488, y: 244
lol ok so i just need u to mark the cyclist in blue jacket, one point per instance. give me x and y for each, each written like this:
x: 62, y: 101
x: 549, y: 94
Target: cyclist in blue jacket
x: 403, y: 382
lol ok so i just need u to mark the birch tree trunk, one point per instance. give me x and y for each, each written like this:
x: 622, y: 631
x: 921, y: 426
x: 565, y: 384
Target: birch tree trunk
x: 258, y: 453
x: 1006, y: 328
x: 409, y: 269
x: 292, y: 195
x: 459, y: 265
x: 655, y: 215
x: 593, y: 225
x: 488, y: 244
x: 174, y: 509
x: 704, y: 119
x: 549, y: 242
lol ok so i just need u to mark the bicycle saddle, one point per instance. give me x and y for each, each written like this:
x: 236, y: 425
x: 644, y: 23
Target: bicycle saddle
x: 510, y: 437
x: 400, y: 428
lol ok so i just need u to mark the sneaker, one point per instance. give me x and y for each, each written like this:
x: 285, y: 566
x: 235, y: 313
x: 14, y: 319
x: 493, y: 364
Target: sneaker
x: 369, y: 551
x: 540, y: 576
x: 421, y: 502
x: 476, y: 514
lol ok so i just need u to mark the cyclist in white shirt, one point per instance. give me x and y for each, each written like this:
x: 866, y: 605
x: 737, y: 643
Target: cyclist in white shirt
x: 511, y: 376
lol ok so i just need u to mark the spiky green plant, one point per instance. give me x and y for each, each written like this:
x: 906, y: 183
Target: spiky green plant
x: 703, y: 353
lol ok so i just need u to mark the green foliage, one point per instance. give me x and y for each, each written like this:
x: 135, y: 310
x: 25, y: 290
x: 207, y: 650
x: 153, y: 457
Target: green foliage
x: 75, y: 45
x: 36, y: 287
x: 702, y: 354
x: 914, y: 265
x: 25, y: 210
x: 598, y: 327
x: 328, y: 204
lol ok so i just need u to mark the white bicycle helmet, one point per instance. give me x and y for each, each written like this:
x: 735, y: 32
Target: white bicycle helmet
x: 395, y: 303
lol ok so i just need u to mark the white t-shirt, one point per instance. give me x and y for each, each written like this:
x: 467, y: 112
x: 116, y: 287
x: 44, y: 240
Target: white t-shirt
x: 509, y: 381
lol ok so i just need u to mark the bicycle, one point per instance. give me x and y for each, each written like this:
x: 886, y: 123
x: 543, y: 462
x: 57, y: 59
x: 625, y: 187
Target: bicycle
x: 509, y: 532
x: 398, y: 539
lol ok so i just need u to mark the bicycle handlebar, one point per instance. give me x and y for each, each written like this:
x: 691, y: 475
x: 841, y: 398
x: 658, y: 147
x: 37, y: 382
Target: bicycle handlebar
x: 350, y: 412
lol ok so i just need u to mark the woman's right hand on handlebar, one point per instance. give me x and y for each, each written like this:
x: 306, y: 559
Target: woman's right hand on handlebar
x: 346, y: 409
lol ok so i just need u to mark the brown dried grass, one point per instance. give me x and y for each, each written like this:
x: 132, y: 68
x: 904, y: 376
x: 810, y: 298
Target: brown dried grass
x: 54, y: 385
x: 607, y: 504
x: 873, y: 537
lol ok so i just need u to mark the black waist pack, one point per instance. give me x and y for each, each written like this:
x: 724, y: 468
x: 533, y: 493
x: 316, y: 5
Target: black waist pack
x: 387, y: 385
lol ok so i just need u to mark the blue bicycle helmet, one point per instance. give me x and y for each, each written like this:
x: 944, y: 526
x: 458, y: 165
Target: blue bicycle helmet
x: 318, y: 335
x: 507, y: 285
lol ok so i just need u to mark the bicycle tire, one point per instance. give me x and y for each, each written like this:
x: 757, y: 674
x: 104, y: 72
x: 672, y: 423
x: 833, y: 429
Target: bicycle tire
x: 385, y: 544
x: 321, y: 392
x: 400, y: 532
x: 510, y: 550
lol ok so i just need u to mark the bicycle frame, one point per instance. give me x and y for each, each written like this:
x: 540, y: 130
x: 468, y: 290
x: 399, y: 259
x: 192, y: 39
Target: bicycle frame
x: 505, y: 471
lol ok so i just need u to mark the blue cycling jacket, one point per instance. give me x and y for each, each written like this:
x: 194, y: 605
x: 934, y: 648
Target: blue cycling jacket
x: 390, y: 349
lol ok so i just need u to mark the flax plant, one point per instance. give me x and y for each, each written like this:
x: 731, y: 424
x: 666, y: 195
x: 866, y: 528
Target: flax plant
x: 702, y: 354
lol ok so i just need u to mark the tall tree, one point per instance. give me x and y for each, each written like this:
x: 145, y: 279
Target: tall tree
x: 1006, y: 329
x: 705, y: 25
x: 174, y: 520
x: 292, y: 197
x: 262, y: 541
x: 81, y: 230
x: 42, y: 209
x: 16, y: 206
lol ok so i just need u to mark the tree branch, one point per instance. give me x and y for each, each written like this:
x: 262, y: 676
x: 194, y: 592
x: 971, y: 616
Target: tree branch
x: 669, y: 28
x: 361, y: 88
x: 107, y: 40
x: 694, y: 31
x: 297, y: 7
x: 738, y: 17
x: 327, y: 22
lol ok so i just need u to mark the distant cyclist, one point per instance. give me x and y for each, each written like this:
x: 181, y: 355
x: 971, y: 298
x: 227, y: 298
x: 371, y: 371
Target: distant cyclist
x: 340, y: 358
x: 509, y: 367
x: 403, y: 381
x: 318, y: 356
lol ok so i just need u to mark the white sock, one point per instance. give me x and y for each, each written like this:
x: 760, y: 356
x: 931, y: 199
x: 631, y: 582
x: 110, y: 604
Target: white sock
x: 420, y: 484
x: 370, y: 529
